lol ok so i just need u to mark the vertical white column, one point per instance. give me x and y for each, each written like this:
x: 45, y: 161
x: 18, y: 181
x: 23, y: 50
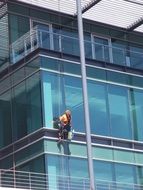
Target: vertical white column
x: 85, y: 94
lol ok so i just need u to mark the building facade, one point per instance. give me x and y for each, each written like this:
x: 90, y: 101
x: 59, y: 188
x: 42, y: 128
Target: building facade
x: 40, y: 77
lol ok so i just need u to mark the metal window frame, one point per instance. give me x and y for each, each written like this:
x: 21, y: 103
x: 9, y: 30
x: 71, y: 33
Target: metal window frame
x: 50, y: 30
x: 109, y: 45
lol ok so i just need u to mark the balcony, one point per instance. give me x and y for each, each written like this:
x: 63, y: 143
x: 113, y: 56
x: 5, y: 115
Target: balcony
x: 39, y: 181
x: 40, y: 38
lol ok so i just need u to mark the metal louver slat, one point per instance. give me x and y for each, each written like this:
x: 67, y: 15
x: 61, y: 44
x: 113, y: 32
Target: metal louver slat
x: 4, y: 41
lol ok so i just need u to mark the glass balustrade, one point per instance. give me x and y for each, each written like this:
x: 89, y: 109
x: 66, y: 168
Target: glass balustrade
x: 40, y: 38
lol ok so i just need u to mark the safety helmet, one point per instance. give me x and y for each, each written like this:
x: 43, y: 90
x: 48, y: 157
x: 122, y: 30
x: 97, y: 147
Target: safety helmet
x: 68, y: 112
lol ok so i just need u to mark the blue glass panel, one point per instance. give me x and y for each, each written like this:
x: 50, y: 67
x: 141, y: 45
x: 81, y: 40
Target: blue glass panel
x: 88, y: 46
x: 136, y: 57
x: 97, y: 95
x: 70, y: 43
x: 52, y: 97
x: 26, y: 107
x: 34, y: 115
x: 74, y: 101
x: 101, y: 49
x: 119, y: 112
x: 44, y: 34
x: 5, y: 119
x: 96, y: 73
x: 34, y: 165
x: 103, y: 170
x: 140, y: 175
x: 19, y: 25
x: 125, y: 173
x: 19, y: 111
x: 119, y: 53
x: 67, y: 172
x: 63, y: 92
x: 58, y: 65
x: 136, y: 109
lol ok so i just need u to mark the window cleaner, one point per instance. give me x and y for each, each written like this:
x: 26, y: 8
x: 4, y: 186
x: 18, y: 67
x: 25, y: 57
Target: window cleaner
x: 65, y: 131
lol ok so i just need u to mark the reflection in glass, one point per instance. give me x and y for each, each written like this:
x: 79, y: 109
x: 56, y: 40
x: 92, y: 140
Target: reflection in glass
x: 26, y: 107
x: 119, y: 112
x: 140, y: 175
x: 136, y: 109
x: 67, y: 172
x: 101, y: 49
x: 125, y: 173
x: 60, y: 93
x: 103, y: 170
x: 97, y: 94
x: 5, y: 119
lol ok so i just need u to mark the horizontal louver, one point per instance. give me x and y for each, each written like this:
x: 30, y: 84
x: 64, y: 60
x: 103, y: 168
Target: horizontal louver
x: 4, y: 42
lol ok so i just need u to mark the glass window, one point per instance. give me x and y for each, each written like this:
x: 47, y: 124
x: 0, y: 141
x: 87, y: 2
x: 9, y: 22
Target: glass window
x: 45, y: 38
x: 103, y: 171
x: 19, y: 111
x: 5, y: 119
x: 60, y: 93
x: 18, y: 76
x: 119, y: 53
x: 51, y: 147
x: 78, y: 169
x: 102, y: 153
x: 32, y: 66
x: 74, y: 101
x: 72, y: 68
x: 115, y: 175
x: 51, y: 64
x: 69, y: 42
x: 119, y: 112
x: 88, y: 45
x: 36, y: 180
x: 66, y: 40
x: 16, y: 26
x: 26, y: 107
x: 139, y: 158
x: 135, y: 81
x: 33, y: 93
x: 124, y: 156
x: 96, y: 73
x: 140, y: 175
x: 136, y: 109
x: 52, y: 97
x: 125, y: 173
x: 57, y: 65
x: 116, y: 77
x: 101, y: 49
x: 29, y: 152
x: 136, y: 56
x: 35, y: 165
x: 18, y: 9
x: 66, y: 172
x: 6, y: 162
x: 97, y: 95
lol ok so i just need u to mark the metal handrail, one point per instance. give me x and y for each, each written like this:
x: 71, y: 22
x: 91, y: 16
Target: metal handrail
x: 41, y: 181
x: 33, y: 40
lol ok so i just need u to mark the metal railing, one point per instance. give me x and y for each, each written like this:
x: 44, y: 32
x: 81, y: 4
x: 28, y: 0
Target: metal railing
x: 40, y: 181
x: 37, y: 37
